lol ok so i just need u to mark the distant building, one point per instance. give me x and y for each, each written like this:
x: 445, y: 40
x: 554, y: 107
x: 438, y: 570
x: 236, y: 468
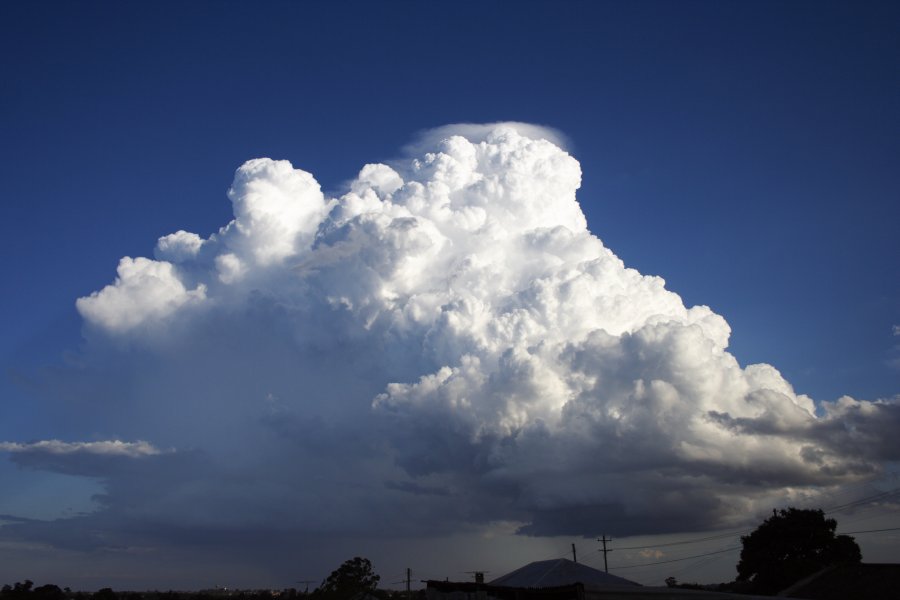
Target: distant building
x: 559, y: 572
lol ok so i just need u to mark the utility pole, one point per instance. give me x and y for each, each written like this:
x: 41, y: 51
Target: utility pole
x: 408, y: 576
x: 605, y: 551
x: 574, y: 556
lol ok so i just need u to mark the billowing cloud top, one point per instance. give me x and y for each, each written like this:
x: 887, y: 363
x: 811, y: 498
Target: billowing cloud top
x: 449, y: 336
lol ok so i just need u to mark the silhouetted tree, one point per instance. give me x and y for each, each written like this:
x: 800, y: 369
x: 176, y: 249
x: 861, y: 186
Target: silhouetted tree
x: 20, y: 591
x: 673, y: 583
x: 48, y: 592
x: 790, y: 545
x: 105, y: 594
x: 354, y: 576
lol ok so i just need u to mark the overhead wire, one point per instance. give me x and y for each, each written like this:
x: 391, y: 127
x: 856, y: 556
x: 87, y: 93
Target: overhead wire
x: 837, y: 508
x: 718, y: 536
x: 862, y: 501
x: 871, y: 531
x: 663, y: 562
x: 702, y: 562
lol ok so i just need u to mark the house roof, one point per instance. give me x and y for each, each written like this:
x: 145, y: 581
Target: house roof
x: 863, y: 581
x: 558, y: 572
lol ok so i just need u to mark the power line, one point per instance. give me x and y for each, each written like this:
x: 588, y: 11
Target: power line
x: 859, y: 502
x: 663, y: 562
x: 879, y: 496
x: 700, y: 563
x: 691, y: 566
x: 693, y: 541
x: 872, y: 530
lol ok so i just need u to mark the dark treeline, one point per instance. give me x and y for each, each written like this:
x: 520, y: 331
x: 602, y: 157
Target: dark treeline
x: 26, y: 590
x: 355, y: 578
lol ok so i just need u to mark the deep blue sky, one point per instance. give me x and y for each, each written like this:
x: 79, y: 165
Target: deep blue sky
x: 747, y: 152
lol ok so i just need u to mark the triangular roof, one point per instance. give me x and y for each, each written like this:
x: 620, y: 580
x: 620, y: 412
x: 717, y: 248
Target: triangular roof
x: 558, y: 572
x: 861, y: 580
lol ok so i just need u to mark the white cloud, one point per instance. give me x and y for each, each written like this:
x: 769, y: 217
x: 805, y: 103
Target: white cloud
x: 178, y: 247
x: 444, y: 346
x: 277, y: 210
x: 105, y: 448
x: 145, y: 290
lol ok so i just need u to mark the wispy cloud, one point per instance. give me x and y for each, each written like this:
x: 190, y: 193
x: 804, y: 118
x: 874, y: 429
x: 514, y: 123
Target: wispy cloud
x: 103, y: 448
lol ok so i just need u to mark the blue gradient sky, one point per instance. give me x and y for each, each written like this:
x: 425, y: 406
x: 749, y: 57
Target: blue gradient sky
x: 747, y: 152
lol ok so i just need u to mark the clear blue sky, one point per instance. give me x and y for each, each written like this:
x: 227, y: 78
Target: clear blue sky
x: 747, y: 152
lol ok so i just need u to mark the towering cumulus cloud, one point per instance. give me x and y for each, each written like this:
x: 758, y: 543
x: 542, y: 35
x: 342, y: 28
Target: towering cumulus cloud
x: 444, y: 346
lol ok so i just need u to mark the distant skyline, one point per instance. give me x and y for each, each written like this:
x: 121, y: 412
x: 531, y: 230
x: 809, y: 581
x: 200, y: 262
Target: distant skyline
x: 451, y: 353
